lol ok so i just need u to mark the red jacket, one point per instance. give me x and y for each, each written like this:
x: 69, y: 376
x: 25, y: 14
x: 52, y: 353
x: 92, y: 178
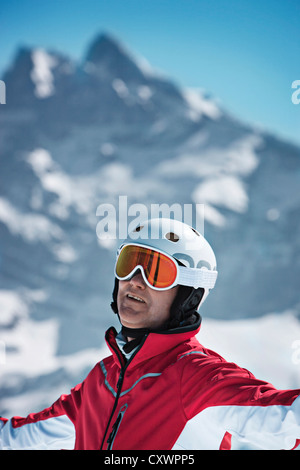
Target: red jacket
x: 172, y: 394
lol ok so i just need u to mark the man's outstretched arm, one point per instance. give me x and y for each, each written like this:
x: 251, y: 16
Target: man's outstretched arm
x: 52, y: 429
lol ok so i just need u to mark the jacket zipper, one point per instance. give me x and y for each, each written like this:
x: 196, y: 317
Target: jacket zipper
x: 115, y: 427
x: 119, y: 387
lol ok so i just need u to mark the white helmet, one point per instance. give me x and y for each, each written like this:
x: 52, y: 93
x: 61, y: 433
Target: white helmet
x: 196, y: 259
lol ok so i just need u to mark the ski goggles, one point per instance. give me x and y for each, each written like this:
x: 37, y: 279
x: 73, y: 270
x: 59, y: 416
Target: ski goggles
x: 160, y: 271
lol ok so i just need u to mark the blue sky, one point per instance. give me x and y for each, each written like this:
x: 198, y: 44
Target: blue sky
x: 245, y: 53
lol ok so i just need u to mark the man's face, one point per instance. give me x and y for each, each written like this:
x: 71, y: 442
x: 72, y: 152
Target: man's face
x: 152, y: 309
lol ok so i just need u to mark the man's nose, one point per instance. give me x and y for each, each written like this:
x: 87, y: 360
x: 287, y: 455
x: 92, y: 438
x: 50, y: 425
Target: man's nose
x: 137, y: 280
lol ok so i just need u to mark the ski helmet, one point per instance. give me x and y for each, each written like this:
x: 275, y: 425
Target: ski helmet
x: 194, y: 258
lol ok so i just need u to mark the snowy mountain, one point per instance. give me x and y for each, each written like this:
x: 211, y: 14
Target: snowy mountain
x: 76, y: 135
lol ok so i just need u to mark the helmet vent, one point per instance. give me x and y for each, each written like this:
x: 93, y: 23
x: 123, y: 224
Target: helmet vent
x: 172, y: 237
x: 195, y: 231
x: 138, y: 228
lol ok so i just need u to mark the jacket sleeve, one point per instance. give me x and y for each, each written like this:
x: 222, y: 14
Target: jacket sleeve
x: 51, y: 429
x: 251, y: 410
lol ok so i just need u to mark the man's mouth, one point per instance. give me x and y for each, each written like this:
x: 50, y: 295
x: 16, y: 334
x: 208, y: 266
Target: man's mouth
x: 135, y: 298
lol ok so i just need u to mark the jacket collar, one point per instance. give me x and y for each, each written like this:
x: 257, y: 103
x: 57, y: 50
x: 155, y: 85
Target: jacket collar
x: 154, y: 343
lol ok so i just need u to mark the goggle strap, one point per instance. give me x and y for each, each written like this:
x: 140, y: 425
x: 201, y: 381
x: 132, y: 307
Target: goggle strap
x: 194, y: 277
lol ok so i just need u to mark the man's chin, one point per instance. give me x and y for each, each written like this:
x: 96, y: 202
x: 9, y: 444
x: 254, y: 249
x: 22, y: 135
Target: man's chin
x: 130, y: 317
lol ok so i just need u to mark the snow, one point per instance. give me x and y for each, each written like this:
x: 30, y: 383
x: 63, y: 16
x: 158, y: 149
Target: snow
x: 224, y: 191
x: 200, y: 106
x: 212, y: 215
x: 140, y: 94
x: 239, y: 158
x: 36, y: 359
x: 148, y: 70
x: 120, y: 88
x: 81, y: 192
x: 144, y: 92
x: 221, y: 172
x: 65, y: 253
x: 273, y: 214
x: 34, y: 228
x: 242, y: 158
x: 41, y: 73
x: 107, y: 149
x: 11, y: 306
x: 31, y: 227
x: 159, y: 126
x: 38, y: 356
x: 40, y: 160
x: 28, y: 352
x: 76, y: 192
x: 119, y: 178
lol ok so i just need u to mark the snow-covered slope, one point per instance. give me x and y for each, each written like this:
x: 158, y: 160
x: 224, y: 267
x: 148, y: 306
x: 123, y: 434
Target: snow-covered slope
x: 76, y: 135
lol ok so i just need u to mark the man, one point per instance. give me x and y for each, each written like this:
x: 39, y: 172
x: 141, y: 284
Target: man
x: 160, y: 389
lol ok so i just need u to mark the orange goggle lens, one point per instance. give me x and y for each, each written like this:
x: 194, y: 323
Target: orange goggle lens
x: 160, y: 270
